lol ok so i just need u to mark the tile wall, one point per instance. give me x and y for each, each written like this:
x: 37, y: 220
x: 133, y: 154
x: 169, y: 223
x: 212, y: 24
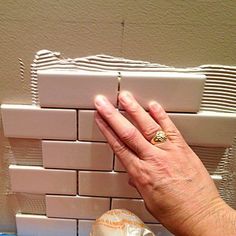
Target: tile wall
x: 80, y: 177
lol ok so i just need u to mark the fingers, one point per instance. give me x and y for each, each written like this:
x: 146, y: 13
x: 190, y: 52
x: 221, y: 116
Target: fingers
x: 126, y: 131
x: 128, y: 159
x: 161, y: 117
x: 144, y: 121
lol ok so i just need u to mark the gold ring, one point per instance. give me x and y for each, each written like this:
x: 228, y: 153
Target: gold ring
x: 160, y: 137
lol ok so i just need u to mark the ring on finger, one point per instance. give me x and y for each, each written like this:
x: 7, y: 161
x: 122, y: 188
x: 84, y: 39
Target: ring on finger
x: 159, y: 137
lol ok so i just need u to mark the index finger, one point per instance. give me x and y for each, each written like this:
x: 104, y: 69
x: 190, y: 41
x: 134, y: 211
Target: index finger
x: 126, y: 131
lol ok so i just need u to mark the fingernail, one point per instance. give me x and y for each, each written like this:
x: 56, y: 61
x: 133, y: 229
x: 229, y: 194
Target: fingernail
x: 126, y: 97
x: 100, y: 100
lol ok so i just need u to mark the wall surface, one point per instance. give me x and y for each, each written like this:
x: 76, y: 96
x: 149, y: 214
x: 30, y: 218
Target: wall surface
x: 177, y: 32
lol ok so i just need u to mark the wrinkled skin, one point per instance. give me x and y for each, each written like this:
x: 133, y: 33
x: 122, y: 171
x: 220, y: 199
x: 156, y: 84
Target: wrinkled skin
x: 169, y: 176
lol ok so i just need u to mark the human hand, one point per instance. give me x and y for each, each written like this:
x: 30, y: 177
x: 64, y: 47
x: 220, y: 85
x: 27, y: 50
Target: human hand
x: 170, y: 177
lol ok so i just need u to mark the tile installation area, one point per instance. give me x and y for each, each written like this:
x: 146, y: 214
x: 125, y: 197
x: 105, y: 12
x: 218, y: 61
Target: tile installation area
x: 80, y: 178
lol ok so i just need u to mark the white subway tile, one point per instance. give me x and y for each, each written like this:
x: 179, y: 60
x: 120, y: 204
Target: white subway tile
x: 35, y: 179
x: 117, y: 165
x: 174, y: 91
x: 77, y: 155
x: 85, y: 227
x: 75, y: 89
x: 159, y: 230
x: 39, y: 225
x: 136, y: 206
x: 26, y: 121
x: 88, y: 129
x: 206, y: 128
x: 76, y: 206
x: 106, y: 184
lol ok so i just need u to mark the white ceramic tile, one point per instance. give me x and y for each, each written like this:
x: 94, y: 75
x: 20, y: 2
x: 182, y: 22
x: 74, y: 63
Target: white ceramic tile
x: 159, y: 230
x: 39, y: 225
x: 26, y: 121
x: 88, y: 129
x: 75, y: 89
x: 207, y: 128
x: 77, y: 155
x: 76, y: 206
x: 32, y: 179
x: 117, y: 165
x: 136, y: 206
x: 106, y: 184
x: 174, y: 91
x: 85, y: 227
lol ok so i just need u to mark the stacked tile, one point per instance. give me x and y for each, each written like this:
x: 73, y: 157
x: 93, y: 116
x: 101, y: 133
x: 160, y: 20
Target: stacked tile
x: 80, y: 177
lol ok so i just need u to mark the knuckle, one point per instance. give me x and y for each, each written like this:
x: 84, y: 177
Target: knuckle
x: 162, y: 115
x: 129, y: 134
x: 150, y: 131
x: 134, y: 108
x: 174, y: 134
x: 118, y: 148
x: 144, y: 178
x: 109, y: 114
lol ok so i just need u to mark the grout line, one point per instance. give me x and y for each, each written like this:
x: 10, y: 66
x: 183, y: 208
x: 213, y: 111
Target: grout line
x: 70, y: 218
x: 107, y: 197
x: 57, y: 108
x: 113, y: 162
x: 77, y: 226
x: 169, y: 112
x: 110, y: 203
x: 61, y: 194
x: 61, y: 139
x: 118, y: 89
x: 122, y: 36
x: 77, y: 182
x: 77, y: 124
x: 73, y: 141
x: 78, y: 169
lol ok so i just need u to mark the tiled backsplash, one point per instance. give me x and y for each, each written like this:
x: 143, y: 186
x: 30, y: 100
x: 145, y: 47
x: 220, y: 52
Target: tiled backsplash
x: 80, y: 177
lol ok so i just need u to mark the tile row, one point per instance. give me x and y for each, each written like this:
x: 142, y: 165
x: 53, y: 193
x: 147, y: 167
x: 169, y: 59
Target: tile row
x: 38, y: 180
x: 77, y: 89
x: 31, y: 225
x: 205, y: 122
x: 32, y: 179
x: 61, y: 124
x: 81, y: 207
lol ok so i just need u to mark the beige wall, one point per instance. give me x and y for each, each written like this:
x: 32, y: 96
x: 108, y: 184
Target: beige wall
x: 173, y: 32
